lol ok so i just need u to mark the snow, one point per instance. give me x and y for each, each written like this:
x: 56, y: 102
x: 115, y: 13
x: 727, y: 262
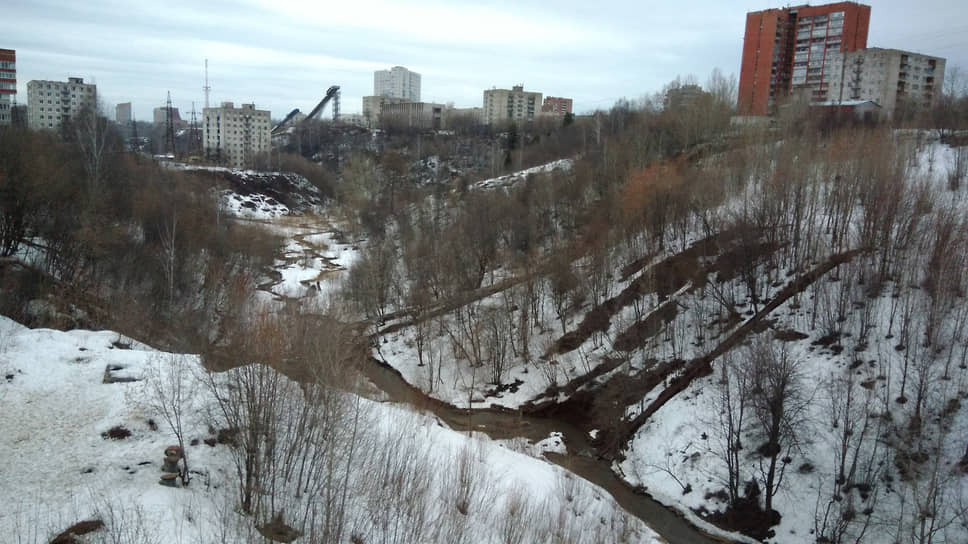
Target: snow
x: 255, y: 206
x: 509, y: 180
x: 58, y: 469
x: 555, y: 443
x: 313, y: 262
x: 680, y: 444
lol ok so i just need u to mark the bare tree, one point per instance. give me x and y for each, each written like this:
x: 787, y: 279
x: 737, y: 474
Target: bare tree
x: 733, y: 409
x: 169, y: 390
x: 778, y: 399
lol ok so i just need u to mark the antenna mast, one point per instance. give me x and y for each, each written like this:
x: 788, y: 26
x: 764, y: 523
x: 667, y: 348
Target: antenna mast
x: 206, y: 88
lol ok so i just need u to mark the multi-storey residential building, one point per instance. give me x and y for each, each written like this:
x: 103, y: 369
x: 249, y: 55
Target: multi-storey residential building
x: 556, y: 105
x: 122, y: 113
x: 423, y: 115
x: 797, y: 48
x: 49, y: 103
x: 515, y: 104
x: 397, y: 82
x: 161, y: 116
x: 235, y: 135
x: 8, y: 85
x: 373, y: 106
x: 682, y: 96
x: 462, y: 117
x: 892, y: 78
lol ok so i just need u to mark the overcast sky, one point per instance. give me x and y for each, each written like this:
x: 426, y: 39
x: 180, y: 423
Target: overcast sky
x: 283, y: 54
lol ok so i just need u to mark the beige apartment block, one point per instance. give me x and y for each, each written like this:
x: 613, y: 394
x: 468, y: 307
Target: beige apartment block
x: 50, y: 103
x: 408, y: 115
x: 373, y: 106
x: 513, y: 104
x: 235, y: 135
x: 893, y: 78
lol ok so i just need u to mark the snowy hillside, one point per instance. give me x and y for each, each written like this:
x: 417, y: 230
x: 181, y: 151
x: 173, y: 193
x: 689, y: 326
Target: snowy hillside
x: 847, y: 271
x: 63, y: 391
x: 255, y: 194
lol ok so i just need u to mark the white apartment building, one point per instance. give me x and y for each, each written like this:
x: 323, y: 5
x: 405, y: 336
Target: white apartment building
x: 235, y: 135
x: 515, y: 104
x: 49, y: 103
x: 890, y: 77
x: 397, y: 82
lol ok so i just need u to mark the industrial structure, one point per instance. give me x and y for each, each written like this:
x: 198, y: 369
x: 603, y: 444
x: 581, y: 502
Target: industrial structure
x: 513, y: 104
x: 50, y: 103
x: 235, y: 135
x: 8, y: 85
x: 799, y: 47
x: 295, y: 116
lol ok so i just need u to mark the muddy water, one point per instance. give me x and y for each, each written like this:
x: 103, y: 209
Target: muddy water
x: 580, y: 459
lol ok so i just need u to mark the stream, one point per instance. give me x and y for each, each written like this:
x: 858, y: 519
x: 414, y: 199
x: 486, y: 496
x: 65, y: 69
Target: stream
x: 580, y: 459
x: 502, y: 425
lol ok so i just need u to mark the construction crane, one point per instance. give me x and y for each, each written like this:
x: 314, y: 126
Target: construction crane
x: 331, y: 93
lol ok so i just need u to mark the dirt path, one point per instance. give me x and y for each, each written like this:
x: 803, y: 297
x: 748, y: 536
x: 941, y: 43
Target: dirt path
x: 683, y: 373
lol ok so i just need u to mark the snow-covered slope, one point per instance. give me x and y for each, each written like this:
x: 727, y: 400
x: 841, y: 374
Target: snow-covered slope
x: 58, y: 469
x: 509, y: 180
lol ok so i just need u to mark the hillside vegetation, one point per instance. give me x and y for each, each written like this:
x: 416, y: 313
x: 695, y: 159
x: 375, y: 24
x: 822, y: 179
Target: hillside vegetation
x: 800, y: 294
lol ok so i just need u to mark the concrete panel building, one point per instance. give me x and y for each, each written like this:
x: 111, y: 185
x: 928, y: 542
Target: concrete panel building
x: 122, y: 113
x: 419, y: 115
x: 513, y: 104
x: 682, y: 96
x: 397, y: 82
x: 50, y: 103
x: 235, y: 135
x: 373, y: 105
x: 556, y: 105
x: 8, y: 85
x: 797, y: 48
x: 160, y: 115
x: 893, y: 78
x: 465, y: 117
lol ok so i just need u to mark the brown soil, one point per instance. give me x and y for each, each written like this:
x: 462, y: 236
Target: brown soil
x: 68, y: 536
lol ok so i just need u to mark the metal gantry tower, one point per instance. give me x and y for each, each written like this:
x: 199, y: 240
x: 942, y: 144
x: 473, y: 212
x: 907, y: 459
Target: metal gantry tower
x: 336, y: 105
x: 169, y: 127
x: 194, y: 138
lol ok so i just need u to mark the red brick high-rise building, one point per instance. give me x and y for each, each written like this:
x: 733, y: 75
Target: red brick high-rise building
x: 8, y: 84
x: 556, y: 105
x: 797, y: 48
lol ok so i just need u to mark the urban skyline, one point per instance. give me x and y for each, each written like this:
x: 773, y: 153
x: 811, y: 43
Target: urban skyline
x: 273, y: 55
